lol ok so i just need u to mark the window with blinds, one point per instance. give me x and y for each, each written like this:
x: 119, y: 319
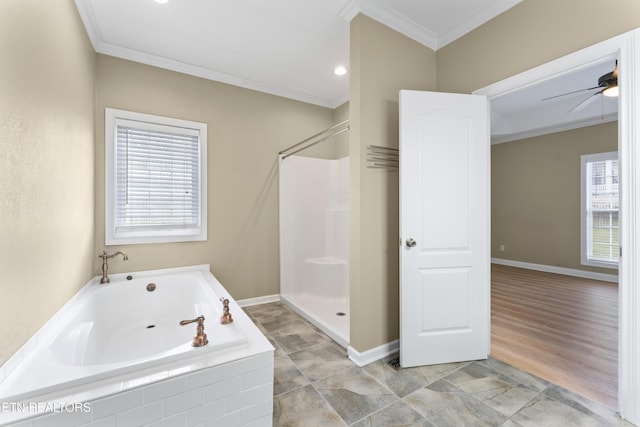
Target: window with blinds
x: 600, y: 205
x: 156, y: 177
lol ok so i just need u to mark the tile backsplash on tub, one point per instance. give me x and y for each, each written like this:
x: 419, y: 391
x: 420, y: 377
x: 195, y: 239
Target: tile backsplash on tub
x: 238, y: 393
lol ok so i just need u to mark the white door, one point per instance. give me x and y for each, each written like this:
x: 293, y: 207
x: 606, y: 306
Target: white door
x: 444, y: 228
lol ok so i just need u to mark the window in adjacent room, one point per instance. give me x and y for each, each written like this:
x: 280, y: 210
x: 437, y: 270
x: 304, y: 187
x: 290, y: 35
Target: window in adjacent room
x: 155, y: 179
x: 600, y: 203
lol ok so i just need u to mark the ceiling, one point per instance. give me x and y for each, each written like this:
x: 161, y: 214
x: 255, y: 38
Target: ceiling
x: 291, y: 47
x: 527, y: 113
x: 283, y: 47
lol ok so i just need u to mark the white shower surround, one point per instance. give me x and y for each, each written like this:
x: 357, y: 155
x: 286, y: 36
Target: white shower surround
x: 314, y: 241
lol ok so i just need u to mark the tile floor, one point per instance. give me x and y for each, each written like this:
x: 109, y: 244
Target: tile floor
x: 316, y: 384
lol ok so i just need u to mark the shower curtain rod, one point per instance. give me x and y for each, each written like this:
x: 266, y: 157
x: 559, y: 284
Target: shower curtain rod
x: 307, y: 140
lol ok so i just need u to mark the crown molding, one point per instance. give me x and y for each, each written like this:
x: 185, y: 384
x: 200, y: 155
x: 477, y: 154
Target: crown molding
x: 473, y: 22
x: 87, y: 16
x: 531, y: 133
x: 350, y: 10
x: 206, y: 73
x: 406, y: 26
x: 400, y: 23
x: 391, y: 19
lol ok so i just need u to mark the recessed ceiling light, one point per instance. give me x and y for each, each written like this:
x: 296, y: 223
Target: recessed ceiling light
x: 340, y: 70
x: 162, y: 1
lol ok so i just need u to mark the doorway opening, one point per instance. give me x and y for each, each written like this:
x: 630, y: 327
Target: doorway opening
x: 552, y: 315
x: 621, y: 48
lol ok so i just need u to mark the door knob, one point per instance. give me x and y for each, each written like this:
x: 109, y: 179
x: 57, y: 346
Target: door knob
x: 411, y: 243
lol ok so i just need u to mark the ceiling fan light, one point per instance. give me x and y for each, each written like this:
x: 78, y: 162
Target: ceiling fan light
x: 611, y: 91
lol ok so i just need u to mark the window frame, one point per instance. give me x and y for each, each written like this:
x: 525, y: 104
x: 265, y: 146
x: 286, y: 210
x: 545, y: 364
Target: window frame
x: 151, y: 234
x: 584, y: 239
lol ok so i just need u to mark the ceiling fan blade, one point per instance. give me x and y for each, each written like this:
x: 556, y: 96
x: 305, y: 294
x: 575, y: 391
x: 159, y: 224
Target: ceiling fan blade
x: 570, y: 93
x: 584, y: 103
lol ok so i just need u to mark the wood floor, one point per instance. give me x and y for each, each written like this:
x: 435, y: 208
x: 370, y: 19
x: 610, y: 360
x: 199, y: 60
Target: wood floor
x: 561, y: 328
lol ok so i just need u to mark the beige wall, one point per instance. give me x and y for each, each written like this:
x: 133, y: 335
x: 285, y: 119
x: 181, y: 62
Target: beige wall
x: 382, y: 62
x: 530, y: 34
x: 524, y: 37
x: 333, y: 147
x: 535, y: 195
x: 341, y: 148
x: 46, y: 164
x: 246, y: 130
x: 47, y: 108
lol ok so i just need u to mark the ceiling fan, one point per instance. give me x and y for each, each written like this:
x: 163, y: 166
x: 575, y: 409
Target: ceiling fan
x: 607, y: 83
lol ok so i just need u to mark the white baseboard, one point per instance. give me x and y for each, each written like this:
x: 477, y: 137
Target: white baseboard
x: 258, y: 300
x: 376, y: 353
x: 558, y: 270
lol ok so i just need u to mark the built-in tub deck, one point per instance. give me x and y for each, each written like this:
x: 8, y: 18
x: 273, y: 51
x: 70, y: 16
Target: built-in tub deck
x: 125, y: 336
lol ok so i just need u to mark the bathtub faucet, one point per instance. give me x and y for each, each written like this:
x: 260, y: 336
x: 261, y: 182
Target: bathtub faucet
x: 201, y: 338
x: 105, y: 256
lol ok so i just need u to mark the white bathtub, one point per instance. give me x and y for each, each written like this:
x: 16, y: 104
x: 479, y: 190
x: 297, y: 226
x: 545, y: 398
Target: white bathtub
x: 120, y: 336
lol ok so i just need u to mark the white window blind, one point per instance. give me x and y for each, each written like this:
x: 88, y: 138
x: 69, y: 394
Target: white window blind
x: 600, y: 198
x: 157, y: 183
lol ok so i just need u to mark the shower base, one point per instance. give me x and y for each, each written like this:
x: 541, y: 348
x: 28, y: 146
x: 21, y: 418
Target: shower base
x: 330, y: 315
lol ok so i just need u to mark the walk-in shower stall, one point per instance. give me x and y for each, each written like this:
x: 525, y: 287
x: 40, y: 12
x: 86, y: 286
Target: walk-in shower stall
x: 314, y: 237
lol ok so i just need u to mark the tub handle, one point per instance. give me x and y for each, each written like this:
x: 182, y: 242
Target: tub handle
x: 201, y: 338
x: 226, y: 315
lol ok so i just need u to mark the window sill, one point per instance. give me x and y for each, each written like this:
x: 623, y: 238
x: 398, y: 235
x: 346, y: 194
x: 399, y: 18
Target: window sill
x: 144, y: 238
